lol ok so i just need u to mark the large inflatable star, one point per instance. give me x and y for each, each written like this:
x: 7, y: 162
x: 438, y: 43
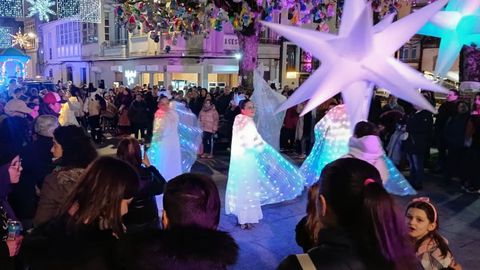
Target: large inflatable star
x: 457, y: 25
x: 358, y: 58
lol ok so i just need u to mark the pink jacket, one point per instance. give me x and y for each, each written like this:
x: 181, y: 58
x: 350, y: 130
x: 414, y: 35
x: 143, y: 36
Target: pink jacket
x: 209, y: 120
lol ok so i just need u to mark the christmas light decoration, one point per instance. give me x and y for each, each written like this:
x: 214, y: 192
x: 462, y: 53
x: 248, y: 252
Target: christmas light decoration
x: 90, y: 11
x: 5, y: 37
x: 68, y: 9
x: 332, y: 135
x: 42, y: 8
x: 457, y: 25
x: 190, y: 135
x: 269, y: 123
x: 258, y: 174
x: 358, y: 58
x: 11, y: 8
x: 20, y: 39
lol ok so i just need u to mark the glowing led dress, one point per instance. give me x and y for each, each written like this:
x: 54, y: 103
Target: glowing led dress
x: 332, y: 137
x: 258, y: 174
x: 164, y: 152
x: 190, y: 135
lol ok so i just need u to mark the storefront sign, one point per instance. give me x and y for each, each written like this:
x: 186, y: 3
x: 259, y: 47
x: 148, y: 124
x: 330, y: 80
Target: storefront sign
x: 130, y: 75
x: 230, y: 42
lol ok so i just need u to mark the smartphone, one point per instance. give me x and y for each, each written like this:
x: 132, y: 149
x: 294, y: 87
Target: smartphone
x: 142, y: 150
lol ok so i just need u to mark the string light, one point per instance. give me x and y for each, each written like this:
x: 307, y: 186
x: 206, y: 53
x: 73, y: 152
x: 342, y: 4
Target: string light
x: 20, y: 39
x: 11, y: 8
x: 42, y: 8
x: 88, y: 11
x: 258, y: 174
x: 332, y: 134
x: 5, y: 37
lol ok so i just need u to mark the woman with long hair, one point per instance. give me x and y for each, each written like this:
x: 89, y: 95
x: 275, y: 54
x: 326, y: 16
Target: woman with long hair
x: 143, y: 212
x: 352, y: 222
x: 72, y: 150
x: 84, y: 235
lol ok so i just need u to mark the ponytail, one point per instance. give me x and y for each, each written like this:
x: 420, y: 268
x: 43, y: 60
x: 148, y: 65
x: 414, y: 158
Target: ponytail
x: 382, y: 222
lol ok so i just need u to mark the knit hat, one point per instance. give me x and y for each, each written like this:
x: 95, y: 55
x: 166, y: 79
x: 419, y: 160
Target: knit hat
x: 45, y: 125
x: 52, y: 98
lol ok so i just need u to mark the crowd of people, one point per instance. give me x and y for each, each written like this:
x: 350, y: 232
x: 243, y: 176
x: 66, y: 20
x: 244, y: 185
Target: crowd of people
x: 82, y: 211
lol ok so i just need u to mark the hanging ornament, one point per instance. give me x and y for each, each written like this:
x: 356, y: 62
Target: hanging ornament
x: 42, y: 8
x: 20, y: 39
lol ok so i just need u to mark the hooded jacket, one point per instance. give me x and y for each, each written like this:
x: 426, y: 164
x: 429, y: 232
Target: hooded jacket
x: 182, y: 248
x: 369, y: 148
x: 55, y: 190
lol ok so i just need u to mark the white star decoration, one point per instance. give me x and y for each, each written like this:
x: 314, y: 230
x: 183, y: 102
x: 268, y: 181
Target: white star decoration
x: 20, y: 39
x: 457, y: 25
x: 42, y: 8
x: 358, y: 58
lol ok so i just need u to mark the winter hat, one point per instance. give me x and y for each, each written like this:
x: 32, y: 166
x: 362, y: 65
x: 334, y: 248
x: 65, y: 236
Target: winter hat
x: 52, y: 98
x: 45, y: 125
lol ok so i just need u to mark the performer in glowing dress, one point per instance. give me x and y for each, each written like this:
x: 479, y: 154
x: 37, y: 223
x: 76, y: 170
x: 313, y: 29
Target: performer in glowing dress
x: 332, y: 139
x: 268, y: 121
x: 258, y: 174
x: 164, y: 151
x: 190, y: 135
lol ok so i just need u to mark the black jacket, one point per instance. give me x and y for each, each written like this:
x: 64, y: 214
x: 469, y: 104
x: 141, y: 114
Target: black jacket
x: 36, y: 163
x: 419, y: 128
x: 142, y: 211
x: 335, y: 251
x: 181, y: 249
x: 52, y: 246
x: 138, y: 113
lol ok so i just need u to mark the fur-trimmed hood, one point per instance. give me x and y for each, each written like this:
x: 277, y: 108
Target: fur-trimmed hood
x: 183, y: 248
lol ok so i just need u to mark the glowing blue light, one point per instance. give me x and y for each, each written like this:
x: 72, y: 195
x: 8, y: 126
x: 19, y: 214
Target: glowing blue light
x: 190, y: 135
x: 332, y: 134
x: 5, y: 38
x: 257, y: 175
x: 11, y: 8
x: 42, y: 8
x: 457, y: 25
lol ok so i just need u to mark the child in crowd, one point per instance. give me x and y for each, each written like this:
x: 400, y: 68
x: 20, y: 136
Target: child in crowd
x: 431, y: 248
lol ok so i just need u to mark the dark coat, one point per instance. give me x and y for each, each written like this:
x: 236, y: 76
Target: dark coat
x: 335, y: 251
x: 181, y: 249
x: 53, y: 246
x: 454, y: 132
x: 419, y: 128
x: 142, y: 211
x: 445, y: 111
x: 138, y: 113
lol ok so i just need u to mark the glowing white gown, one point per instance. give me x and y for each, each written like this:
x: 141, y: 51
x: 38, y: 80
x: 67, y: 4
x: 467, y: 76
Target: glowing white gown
x: 332, y: 136
x: 190, y: 135
x: 258, y: 174
x: 164, y: 152
x: 267, y: 102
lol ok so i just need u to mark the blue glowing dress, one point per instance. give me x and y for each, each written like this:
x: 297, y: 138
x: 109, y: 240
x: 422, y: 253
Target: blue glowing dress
x: 164, y: 152
x: 258, y: 174
x: 332, y: 137
x: 190, y: 135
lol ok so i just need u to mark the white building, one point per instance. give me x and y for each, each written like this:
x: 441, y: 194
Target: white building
x: 88, y: 52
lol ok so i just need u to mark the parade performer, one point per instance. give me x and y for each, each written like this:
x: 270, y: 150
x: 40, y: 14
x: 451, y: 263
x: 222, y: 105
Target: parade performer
x: 333, y: 140
x: 258, y: 174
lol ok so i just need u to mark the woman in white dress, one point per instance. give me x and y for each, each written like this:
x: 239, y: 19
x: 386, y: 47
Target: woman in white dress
x: 164, y: 151
x: 67, y: 112
x: 258, y: 174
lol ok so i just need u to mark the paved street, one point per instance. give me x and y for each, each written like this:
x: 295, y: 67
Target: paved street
x: 264, y: 246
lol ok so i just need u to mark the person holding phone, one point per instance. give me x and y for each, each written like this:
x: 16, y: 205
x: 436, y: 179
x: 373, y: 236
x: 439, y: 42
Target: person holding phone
x: 143, y: 211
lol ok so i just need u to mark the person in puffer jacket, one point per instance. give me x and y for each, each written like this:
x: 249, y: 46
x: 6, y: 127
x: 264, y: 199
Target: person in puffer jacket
x: 209, y: 122
x: 366, y: 145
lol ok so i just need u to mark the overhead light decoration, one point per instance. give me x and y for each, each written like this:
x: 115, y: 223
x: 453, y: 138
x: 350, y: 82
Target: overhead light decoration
x: 20, y: 39
x: 42, y: 8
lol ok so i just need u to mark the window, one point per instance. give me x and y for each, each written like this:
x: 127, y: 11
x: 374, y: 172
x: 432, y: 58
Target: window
x: 83, y: 76
x: 50, y: 72
x: 291, y: 57
x: 107, y: 26
x: 50, y: 53
x: 89, y: 33
x: 414, y: 53
x: 68, y: 33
